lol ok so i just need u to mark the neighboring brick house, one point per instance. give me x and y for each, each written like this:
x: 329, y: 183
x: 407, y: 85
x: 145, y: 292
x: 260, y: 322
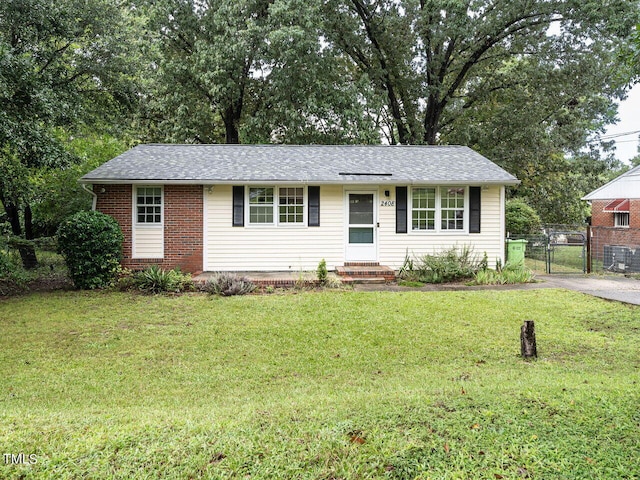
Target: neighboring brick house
x: 284, y: 208
x: 615, y: 222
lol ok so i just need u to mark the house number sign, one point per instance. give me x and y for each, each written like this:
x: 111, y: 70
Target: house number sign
x: 388, y: 203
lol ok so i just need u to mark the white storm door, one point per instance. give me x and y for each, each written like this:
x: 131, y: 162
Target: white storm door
x: 361, y: 227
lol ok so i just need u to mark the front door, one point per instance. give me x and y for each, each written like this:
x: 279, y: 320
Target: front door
x: 361, y: 227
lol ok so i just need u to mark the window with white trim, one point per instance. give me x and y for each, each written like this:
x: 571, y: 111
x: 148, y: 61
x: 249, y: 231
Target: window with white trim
x: 261, y: 203
x: 149, y: 205
x: 452, y: 208
x: 277, y: 205
x: 621, y: 219
x: 423, y: 211
x: 291, y: 205
x: 436, y: 209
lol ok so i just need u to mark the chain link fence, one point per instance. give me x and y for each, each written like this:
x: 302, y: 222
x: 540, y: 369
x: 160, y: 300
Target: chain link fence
x: 614, y: 249
x: 558, y: 249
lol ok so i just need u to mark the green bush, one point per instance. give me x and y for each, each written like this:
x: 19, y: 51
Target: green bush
x: 228, y: 284
x: 91, y: 244
x: 508, y: 275
x: 521, y: 219
x: 448, y: 266
x: 13, y: 278
x: 156, y: 280
x: 322, y: 271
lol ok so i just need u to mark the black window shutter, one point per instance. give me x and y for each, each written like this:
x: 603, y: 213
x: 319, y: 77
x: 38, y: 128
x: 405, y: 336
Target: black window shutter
x: 474, y: 209
x: 401, y: 209
x: 238, y: 206
x: 314, y: 206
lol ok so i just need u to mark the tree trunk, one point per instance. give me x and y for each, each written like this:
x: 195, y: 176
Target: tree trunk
x: 14, y: 218
x: 528, y: 347
x: 432, y: 120
x: 28, y: 223
x: 231, y: 119
x: 28, y: 256
x: 27, y: 251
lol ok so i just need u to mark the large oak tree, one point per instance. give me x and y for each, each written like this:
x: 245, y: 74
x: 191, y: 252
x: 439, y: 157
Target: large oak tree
x: 62, y: 62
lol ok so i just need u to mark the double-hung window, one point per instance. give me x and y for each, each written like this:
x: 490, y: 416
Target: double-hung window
x: 438, y: 209
x: 149, y: 205
x: 291, y: 205
x: 276, y: 205
x: 261, y: 203
x: 423, y: 212
x: 452, y: 208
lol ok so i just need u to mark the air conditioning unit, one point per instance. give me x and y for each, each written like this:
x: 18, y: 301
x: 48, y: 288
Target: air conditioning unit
x: 617, y: 258
x: 634, y: 259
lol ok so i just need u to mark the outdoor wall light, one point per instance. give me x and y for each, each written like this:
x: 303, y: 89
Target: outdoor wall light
x: 386, y: 193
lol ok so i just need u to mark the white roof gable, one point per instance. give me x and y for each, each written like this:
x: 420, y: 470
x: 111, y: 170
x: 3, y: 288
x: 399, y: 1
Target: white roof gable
x: 626, y: 185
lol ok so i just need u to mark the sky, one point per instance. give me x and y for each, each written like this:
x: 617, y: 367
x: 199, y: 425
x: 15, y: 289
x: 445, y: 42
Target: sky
x: 629, y: 114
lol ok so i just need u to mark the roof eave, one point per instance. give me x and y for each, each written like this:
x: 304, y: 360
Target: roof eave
x: 386, y: 181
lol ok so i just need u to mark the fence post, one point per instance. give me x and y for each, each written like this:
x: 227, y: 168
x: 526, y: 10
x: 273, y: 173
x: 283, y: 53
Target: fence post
x: 548, y: 252
x: 588, y: 242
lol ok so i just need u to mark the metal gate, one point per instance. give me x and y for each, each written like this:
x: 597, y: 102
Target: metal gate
x: 567, y: 252
x: 556, y: 251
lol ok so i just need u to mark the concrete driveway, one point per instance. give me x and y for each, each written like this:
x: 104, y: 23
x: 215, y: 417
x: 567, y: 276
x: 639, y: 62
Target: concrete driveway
x: 610, y: 287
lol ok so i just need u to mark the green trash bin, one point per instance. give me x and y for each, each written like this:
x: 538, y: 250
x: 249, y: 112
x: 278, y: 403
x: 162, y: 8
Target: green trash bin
x: 515, y: 251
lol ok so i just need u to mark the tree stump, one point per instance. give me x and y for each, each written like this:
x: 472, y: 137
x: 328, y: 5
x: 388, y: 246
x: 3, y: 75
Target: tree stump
x: 528, y: 348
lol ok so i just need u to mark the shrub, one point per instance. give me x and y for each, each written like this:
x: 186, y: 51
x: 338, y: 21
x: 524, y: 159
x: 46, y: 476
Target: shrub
x: 322, y: 271
x: 508, y: 275
x: 91, y: 244
x: 13, y: 278
x: 228, y: 284
x: 520, y: 218
x: 156, y: 280
x: 448, y: 266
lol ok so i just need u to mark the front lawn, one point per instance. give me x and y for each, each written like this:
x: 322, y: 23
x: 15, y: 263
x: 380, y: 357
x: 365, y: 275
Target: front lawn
x: 318, y: 385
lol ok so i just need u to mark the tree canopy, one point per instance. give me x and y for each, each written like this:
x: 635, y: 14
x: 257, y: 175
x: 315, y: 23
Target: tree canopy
x: 529, y: 83
x: 62, y: 63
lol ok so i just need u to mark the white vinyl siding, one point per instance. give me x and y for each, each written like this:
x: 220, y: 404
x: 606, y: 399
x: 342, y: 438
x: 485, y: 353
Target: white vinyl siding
x: 393, y: 246
x: 272, y: 247
x: 147, y: 239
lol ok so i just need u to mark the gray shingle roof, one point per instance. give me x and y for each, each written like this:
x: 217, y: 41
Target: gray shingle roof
x: 383, y: 164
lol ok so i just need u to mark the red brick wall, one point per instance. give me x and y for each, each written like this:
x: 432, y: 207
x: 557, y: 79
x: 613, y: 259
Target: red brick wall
x: 606, y: 219
x: 634, y: 213
x: 600, y: 218
x: 183, y: 224
x: 604, y: 233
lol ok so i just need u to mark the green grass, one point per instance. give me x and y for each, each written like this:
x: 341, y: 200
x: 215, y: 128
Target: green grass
x: 564, y: 259
x: 319, y: 385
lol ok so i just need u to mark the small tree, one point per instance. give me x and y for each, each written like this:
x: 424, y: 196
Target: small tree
x: 322, y: 271
x: 91, y: 243
x: 521, y: 218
